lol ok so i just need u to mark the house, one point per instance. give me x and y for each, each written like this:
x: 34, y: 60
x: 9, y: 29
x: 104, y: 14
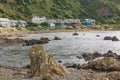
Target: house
x: 88, y: 22
x: 4, y: 22
x: 36, y: 19
x: 14, y: 23
x: 22, y: 23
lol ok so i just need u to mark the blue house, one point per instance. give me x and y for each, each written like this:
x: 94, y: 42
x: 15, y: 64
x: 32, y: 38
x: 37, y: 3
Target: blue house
x: 88, y: 22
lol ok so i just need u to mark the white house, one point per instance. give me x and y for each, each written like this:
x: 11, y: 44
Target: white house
x: 36, y: 19
x: 20, y: 23
x: 13, y: 23
x: 4, y: 22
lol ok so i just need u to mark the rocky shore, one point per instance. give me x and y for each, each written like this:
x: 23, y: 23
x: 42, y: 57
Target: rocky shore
x: 107, y: 67
x: 98, y: 67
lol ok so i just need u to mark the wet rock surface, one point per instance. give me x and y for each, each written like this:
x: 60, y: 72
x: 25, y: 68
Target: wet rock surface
x: 110, y: 54
x: 105, y: 64
x: 75, y: 34
x: 57, y: 38
x: 97, y: 35
x: 72, y: 65
x: 34, y: 41
x: 114, y: 38
x: 91, y: 56
x: 107, y: 38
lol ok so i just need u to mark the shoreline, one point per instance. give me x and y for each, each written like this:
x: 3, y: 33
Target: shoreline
x: 49, y: 31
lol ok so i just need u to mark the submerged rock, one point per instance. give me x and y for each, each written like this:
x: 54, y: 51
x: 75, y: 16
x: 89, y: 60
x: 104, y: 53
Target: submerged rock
x: 105, y: 64
x: 42, y: 65
x: 97, y: 35
x: 107, y: 38
x: 114, y: 38
x: 75, y: 34
x: 57, y: 38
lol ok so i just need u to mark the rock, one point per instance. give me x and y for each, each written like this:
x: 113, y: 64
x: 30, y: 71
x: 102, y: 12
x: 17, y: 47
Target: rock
x: 42, y: 65
x: 91, y: 56
x: 83, y: 34
x: 107, y: 38
x: 14, y: 41
x: 72, y: 65
x: 87, y: 56
x: 114, y: 38
x: 97, y: 35
x: 96, y: 55
x: 33, y: 41
x: 105, y: 64
x: 57, y: 38
x: 75, y: 34
x: 118, y: 58
x: 79, y: 57
x: 59, y: 61
x: 110, y: 54
x: 114, y: 75
x: 44, y: 40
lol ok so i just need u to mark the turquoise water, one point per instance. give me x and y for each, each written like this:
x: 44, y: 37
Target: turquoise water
x: 66, y: 49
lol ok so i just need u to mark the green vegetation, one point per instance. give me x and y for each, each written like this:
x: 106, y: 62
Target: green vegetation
x: 104, y: 11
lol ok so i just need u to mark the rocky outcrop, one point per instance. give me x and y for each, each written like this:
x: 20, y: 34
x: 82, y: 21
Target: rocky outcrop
x: 114, y: 38
x: 91, y: 56
x: 107, y: 38
x: 110, y: 54
x: 57, y: 38
x: 105, y: 64
x: 75, y: 34
x: 42, y: 65
x: 34, y: 41
x: 14, y: 41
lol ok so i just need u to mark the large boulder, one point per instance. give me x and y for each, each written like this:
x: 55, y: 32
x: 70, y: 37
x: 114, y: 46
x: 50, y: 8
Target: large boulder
x: 42, y: 65
x: 105, y: 64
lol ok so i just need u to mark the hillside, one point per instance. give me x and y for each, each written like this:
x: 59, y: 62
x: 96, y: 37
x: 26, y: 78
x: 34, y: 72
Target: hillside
x: 105, y: 11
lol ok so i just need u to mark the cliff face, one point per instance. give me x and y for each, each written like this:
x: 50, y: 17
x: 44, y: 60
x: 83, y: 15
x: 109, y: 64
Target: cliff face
x: 105, y: 11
